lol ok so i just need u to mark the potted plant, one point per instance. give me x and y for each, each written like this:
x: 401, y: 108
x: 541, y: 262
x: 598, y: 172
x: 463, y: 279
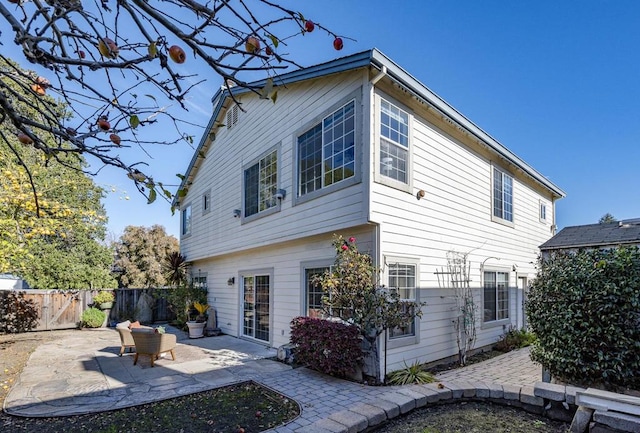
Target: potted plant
x: 104, y: 299
x: 196, y: 327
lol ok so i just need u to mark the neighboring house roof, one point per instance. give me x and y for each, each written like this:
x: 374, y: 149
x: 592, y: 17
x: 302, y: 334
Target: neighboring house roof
x: 596, y: 235
x: 383, y: 63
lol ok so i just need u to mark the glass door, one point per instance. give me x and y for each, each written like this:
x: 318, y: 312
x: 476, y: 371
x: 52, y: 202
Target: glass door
x: 256, y: 315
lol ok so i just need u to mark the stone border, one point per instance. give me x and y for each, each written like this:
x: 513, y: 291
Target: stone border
x: 556, y: 402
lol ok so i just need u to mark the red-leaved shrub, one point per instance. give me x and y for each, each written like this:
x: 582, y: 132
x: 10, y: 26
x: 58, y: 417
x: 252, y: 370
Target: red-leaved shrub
x: 329, y: 347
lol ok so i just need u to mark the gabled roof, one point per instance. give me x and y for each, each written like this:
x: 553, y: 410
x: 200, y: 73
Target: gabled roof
x: 596, y: 236
x: 383, y: 63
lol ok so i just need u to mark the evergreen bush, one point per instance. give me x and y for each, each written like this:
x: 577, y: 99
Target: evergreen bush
x: 584, y: 308
x: 92, y: 318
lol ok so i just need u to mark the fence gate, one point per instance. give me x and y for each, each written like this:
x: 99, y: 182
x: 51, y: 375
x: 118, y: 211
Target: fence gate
x: 57, y: 309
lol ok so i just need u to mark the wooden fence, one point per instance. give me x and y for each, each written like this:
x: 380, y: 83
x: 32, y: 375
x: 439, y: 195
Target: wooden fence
x: 62, y: 309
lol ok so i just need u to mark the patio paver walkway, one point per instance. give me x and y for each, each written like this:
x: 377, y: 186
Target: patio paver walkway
x: 82, y: 373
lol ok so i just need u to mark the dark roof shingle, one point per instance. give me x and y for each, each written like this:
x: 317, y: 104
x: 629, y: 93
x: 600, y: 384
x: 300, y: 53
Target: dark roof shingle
x: 596, y: 235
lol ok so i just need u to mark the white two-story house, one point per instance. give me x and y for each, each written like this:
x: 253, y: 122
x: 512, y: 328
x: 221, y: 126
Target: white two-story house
x: 357, y: 146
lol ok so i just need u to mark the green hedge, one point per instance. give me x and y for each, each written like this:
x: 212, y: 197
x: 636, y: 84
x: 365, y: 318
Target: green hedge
x: 585, y: 310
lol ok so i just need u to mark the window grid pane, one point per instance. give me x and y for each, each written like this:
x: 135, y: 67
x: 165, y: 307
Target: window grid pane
x: 326, y: 153
x: 502, y: 195
x: 402, y: 277
x: 496, y: 296
x: 315, y: 293
x: 310, y: 160
x: 268, y: 181
x: 186, y: 220
x: 339, y: 144
x: 394, y: 142
x: 260, y: 184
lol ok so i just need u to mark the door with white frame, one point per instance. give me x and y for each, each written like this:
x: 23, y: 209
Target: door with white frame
x: 256, y: 308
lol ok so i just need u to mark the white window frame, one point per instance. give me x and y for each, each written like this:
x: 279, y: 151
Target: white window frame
x: 186, y: 220
x: 407, y: 339
x: 499, y: 319
x: 324, y: 189
x: 255, y: 273
x: 542, y: 212
x: 304, y: 267
x: 498, y: 174
x: 268, y: 197
x: 379, y: 163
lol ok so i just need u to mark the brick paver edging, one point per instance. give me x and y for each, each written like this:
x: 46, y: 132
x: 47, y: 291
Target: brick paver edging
x: 553, y: 401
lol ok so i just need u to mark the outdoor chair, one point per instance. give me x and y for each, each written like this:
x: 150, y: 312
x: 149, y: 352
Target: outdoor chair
x: 151, y: 343
x: 126, y: 340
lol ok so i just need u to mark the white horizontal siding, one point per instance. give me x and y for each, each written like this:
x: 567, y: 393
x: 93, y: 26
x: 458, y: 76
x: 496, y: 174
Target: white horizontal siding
x: 455, y: 214
x: 263, y: 126
x: 288, y: 288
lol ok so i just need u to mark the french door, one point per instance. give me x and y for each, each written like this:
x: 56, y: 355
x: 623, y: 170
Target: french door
x: 256, y: 317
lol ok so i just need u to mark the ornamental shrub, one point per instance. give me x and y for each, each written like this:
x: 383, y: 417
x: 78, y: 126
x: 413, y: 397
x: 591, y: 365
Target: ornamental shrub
x: 515, y: 339
x: 330, y: 347
x: 585, y: 310
x: 92, y: 318
x: 17, y: 314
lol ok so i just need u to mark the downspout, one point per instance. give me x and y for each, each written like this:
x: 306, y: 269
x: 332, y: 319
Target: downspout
x: 372, y: 83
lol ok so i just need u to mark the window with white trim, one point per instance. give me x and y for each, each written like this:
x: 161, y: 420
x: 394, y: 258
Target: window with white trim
x: 495, y: 296
x: 185, y: 221
x: 261, y: 185
x: 314, y: 293
x: 402, y: 277
x: 502, y: 195
x: 394, y: 142
x: 543, y: 212
x: 326, y: 152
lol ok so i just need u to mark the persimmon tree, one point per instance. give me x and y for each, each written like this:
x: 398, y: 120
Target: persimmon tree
x: 352, y: 293
x: 52, y: 224
x: 119, y: 66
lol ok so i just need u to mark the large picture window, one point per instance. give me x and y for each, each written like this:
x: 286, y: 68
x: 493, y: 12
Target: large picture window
x: 394, y: 142
x: 496, y: 296
x: 502, y: 195
x: 261, y: 185
x: 326, y: 152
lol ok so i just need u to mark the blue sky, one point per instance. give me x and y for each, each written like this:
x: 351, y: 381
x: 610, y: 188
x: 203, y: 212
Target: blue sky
x: 557, y: 82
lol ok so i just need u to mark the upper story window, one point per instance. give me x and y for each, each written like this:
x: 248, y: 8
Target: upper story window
x: 261, y: 184
x: 495, y: 296
x: 394, y: 142
x: 502, y: 195
x: 185, y: 221
x: 326, y: 152
x: 543, y: 212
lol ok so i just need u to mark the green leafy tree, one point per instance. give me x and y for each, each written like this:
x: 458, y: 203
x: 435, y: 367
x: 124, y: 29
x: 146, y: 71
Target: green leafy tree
x: 607, y: 218
x: 353, y: 294
x: 585, y: 310
x: 52, y: 223
x: 124, y: 67
x: 141, y: 255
